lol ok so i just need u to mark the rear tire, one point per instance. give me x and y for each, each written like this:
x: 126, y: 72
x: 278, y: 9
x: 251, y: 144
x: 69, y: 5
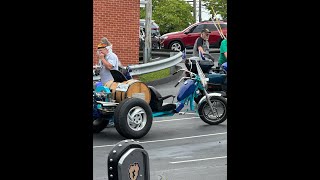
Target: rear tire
x: 176, y: 46
x: 133, y: 118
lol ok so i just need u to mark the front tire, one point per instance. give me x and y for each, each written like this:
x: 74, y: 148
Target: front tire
x: 220, y: 108
x: 133, y: 118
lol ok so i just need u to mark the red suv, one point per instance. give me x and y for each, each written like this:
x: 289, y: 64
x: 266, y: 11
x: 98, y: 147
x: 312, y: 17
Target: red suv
x: 185, y: 39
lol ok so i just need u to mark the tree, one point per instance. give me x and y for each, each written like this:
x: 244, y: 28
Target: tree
x: 219, y: 6
x: 170, y: 15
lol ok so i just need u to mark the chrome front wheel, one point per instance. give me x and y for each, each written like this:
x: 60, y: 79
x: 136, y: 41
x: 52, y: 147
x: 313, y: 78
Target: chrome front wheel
x: 219, y: 114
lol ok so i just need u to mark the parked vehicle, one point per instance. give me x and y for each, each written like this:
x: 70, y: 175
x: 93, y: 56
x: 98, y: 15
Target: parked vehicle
x: 178, y: 41
x: 155, y: 34
x: 155, y: 29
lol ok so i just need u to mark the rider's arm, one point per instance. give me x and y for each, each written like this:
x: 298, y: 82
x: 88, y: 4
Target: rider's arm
x: 110, y: 61
x: 106, y: 63
x: 199, y: 45
x: 200, y: 49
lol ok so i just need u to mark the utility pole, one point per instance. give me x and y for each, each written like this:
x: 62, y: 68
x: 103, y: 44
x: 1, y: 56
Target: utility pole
x: 147, y: 40
x: 200, y: 11
x: 195, y: 10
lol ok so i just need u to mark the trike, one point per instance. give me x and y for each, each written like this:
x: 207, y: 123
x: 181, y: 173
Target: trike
x: 133, y: 113
x: 217, y: 76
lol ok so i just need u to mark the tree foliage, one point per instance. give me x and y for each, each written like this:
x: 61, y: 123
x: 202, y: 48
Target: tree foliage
x: 170, y: 15
x: 219, y: 7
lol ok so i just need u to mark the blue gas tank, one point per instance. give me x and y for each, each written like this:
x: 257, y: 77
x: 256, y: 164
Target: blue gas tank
x: 186, y: 89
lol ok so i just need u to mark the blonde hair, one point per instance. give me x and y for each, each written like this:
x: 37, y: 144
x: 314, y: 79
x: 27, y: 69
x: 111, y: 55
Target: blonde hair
x: 104, y: 40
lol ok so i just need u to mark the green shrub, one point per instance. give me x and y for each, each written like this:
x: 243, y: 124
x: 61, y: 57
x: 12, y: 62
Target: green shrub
x: 155, y: 75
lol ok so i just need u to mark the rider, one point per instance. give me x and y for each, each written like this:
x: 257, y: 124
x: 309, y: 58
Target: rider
x: 223, y: 52
x: 201, y: 44
x: 222, y: 62
x: 107, y: 60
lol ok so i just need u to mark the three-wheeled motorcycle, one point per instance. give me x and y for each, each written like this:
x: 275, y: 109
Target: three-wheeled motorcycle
x: 133, y: 111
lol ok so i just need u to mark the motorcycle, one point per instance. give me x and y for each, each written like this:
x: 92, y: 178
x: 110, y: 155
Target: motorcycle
x: 133, y: 116
x: 211, y: 107
x: 217, y: 76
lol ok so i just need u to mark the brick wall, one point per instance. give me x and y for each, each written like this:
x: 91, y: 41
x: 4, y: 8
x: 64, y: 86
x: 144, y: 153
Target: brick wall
x: 118, y: 20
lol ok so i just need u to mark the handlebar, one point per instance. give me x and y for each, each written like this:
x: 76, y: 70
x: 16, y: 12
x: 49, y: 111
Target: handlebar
x: 209, y: 55
x: 194, y: 74
x: 183, y: 79
x: 185, y: 71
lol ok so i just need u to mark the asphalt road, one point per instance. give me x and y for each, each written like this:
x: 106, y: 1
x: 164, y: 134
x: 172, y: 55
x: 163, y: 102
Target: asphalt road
x: 180, y: 147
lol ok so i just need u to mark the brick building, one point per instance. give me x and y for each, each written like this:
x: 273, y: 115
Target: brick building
x: 118, y: 20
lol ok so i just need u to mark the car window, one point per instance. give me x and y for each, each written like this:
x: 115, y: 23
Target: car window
x: 212, y: 27
x: 189, y: 28
x: 223, y: 26
x: 198, y: 29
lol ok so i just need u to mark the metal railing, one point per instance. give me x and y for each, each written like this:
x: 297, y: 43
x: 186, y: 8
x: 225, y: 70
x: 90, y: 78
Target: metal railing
x: 156, y: 65
x: 153, y: 66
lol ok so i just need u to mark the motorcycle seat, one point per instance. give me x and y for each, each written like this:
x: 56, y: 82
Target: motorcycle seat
x: 118, y: 76
x: 156, y: 102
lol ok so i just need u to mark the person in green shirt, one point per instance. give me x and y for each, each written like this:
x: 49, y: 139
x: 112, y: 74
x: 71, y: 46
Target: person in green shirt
x: 223, y: 52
